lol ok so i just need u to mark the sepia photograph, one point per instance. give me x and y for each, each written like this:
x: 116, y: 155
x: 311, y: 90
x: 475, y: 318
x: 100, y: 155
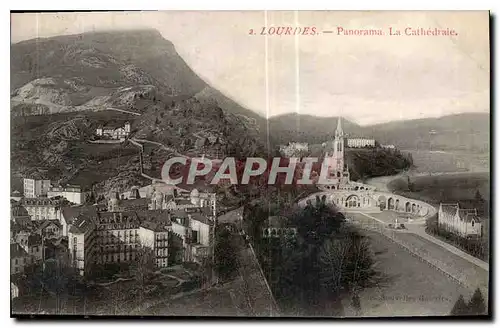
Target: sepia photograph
x: 271, y: 164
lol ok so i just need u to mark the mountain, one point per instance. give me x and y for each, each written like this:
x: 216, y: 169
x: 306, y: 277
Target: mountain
x: 94, y: 70
x: 75, y: 83
x: 468, y: 131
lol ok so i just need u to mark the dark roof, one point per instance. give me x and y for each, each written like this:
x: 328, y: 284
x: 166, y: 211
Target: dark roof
x: 153, y: 215
x: 471, y: 217
x: 17, y: 251
x: 22, y: 221
x: 450, y: 209
x: 183, y: 202
x: 42, y: 201
x: 112, y: 125
x: 81, y: 224
x: 34, y: 240
x: 121, y: 216
x: 45, y: 223
x: 139, y: 203
x: 197, y: 216
x: 179, y: 214
x: 198, y: 184
x: 156, y: 226
x: 71, y: 213
x: 16, y: 210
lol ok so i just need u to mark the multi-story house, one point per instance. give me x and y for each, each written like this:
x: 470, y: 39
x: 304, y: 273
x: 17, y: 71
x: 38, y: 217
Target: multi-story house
x: 50, y: 229
x: 34, y: 188
x: 72, y: 193
x: 69, y: 214
x: 81, y: 244
x: 43, y: 208
x: 154, y: 234
x: 17, y: 211
x: 360, y: 142
x: 117, y: 237
x: 195, y: 229
x: 97, y: 238
x: 462, y: 222
x: 19, y: 258
x: 114, y: 131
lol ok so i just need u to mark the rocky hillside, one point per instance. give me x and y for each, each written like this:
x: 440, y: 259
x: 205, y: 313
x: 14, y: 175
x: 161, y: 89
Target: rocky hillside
x: 71, y: 82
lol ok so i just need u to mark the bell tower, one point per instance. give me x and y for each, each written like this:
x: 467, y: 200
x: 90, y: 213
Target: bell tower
x: 338, y: 147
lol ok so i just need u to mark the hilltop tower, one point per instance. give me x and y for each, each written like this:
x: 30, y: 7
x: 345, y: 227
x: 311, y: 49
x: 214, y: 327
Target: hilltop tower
x: 338, y: 147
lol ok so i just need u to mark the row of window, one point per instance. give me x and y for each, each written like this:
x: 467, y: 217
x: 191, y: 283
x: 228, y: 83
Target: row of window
x: 116, y: 258
x: 111, y: 233
x: 118, y: 248
x: 114, y: 240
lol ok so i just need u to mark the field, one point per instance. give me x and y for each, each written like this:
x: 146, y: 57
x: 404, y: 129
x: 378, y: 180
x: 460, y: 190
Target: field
x: 414, y: 288
x: 445, y: 187
x: 449, y: 161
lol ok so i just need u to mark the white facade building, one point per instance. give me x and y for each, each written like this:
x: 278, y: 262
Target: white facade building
x: 114, y: 132
x: 360, y: 142
x: 462, y: 222
x: 42, y: 208
x: 34, y: 188
x: 73, y: 194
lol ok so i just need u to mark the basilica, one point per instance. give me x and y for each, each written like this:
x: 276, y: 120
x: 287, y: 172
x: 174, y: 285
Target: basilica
x: 337, y: 169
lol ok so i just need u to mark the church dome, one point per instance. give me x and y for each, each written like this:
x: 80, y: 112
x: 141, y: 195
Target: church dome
x: 195, y: 193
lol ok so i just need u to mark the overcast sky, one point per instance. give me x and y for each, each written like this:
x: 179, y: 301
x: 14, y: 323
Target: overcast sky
x: 369, y: 79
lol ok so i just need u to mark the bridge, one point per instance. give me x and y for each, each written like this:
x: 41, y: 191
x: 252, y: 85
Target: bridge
x: 373, y: 201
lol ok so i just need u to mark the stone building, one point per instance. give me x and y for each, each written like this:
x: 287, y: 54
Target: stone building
x: 462, y: 222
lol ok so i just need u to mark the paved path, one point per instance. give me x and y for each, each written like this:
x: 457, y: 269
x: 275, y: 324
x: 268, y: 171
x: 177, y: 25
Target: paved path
x: 124, y: 111
x: 251, y: 284
x: 420, y: 231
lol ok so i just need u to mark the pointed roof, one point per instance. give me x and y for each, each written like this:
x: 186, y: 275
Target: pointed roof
x: 339, y: 131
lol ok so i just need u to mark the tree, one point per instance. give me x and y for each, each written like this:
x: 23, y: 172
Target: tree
x: 144, y: 266
x: 476, y: 304
x: 460, y: 308
x: 478, y: 197
x: 356, y: 303
x: 226, y: 262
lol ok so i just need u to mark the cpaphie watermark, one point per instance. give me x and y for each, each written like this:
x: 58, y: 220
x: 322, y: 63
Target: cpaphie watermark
x: 272, y: 171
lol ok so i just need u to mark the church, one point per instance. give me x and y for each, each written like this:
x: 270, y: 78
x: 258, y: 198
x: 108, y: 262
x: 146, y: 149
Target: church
x: 337, y: 169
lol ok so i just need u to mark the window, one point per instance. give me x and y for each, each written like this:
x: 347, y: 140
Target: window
x: 472, y: 222
x: 17, y: 262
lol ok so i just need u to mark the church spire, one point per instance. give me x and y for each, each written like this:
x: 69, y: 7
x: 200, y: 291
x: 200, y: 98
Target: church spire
x: 338, y: 131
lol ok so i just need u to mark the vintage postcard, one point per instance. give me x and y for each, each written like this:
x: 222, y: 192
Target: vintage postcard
x: 250, y: 163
